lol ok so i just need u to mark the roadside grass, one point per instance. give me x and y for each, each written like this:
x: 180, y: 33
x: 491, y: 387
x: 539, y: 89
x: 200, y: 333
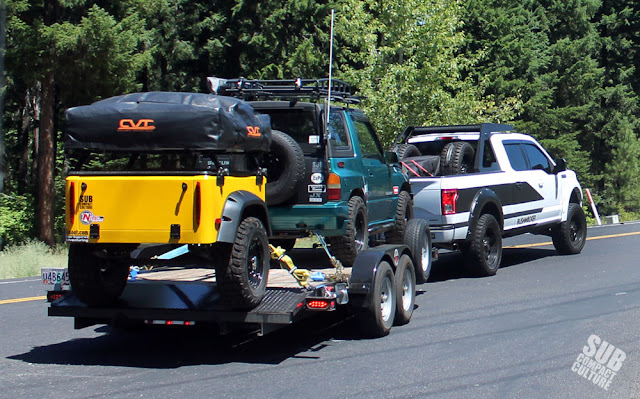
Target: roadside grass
x: 26, y: 260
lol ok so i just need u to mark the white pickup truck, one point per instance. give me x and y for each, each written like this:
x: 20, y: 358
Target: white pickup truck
x: 476, y: 184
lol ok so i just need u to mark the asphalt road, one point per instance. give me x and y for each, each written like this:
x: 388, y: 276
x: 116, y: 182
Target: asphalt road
x: 516, y: 334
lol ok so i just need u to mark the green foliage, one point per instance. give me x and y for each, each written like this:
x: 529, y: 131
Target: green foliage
x: 405, y: 58
x: 564, y: 71
x: 16, y: 219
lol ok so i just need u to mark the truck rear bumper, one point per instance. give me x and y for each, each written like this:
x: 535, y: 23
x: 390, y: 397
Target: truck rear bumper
x: 330, y: 218
x: 444, y: 234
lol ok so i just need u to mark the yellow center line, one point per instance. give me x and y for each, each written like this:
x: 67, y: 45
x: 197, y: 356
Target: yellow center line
x: 541, y: 244
x: 18, y: 300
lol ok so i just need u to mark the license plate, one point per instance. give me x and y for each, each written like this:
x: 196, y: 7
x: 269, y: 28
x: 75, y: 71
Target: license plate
x: 54, y: 276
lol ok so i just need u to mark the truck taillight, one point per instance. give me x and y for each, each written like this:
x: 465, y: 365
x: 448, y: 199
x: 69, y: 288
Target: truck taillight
x: 71, y: 204
x: 449, y: 199
x: 334, y: 191
x: 197, y: 200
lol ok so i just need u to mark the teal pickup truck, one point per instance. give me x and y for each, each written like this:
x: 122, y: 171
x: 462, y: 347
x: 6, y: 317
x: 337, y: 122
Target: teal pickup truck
x: 331, y: 178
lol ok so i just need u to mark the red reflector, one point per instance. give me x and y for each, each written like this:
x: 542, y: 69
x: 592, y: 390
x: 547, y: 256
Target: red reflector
x: 299, y: 305
x: 449, y: 199
x: 218, y: 222
x: 318, y: 304
x: 71, y: 203
x: 341, y: 164
x: 196, y: 207
x: 53, y: 296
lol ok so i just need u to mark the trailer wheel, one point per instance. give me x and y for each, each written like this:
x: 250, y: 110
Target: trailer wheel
x: 377, y: 318
x: 417, y: 237
x: 569, y: 237
x: 484, y: 253
x: 98, y: 274
x: 405, y: 290
x: 356, y: 238
x: 242, y: 276
x: 404, y: 212
x: 285, y: 168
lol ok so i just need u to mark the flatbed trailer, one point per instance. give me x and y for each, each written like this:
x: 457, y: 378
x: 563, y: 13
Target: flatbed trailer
x: 379, y: 288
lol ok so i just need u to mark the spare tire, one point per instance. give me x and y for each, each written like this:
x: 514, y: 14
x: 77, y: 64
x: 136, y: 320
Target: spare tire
x: 456, y: 158
x: 285, y: 168
x: 406, y: 151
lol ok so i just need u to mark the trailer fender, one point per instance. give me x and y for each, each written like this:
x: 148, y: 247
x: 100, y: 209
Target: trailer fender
x: 239, y: 205
x: 365, y: 267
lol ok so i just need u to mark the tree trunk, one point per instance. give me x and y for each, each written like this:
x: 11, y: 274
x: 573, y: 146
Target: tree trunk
x: 46, y: 195
x: 27, y: 125
x: 35, y: 140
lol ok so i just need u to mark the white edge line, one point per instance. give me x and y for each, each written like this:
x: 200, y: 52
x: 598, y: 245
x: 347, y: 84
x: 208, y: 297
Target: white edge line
x: 20, y: 281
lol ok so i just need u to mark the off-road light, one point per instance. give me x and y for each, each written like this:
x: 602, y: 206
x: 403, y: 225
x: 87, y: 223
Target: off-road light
x: 449, y: 199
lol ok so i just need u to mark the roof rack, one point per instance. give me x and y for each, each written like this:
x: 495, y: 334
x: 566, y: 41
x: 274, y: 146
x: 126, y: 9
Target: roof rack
x: 484, y: 129
x: 249, y: 89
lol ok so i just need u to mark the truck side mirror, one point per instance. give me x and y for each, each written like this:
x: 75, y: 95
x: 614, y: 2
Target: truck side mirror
x: 391, y: 158
x: 561, y: 165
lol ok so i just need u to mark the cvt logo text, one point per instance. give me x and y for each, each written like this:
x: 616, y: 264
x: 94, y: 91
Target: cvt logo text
x: 143, y: 125
x: 253, y: 131
x: 599, y: 362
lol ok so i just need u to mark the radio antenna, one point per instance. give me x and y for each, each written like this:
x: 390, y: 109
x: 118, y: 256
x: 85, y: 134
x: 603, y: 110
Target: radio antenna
x: 328, y: 104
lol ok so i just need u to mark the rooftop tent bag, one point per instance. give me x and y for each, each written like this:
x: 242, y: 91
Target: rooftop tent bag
x: 166, y: 121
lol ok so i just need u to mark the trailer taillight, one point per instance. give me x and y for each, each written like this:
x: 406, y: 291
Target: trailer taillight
x: 334, y: 191
x: 170, y: 322
x: 197, y: 200
x: 449, y: 199
x: 321, y: 304
x: 71, y: 204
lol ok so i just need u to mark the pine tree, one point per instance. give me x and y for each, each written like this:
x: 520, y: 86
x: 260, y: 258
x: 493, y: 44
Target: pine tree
x: 60, y: 54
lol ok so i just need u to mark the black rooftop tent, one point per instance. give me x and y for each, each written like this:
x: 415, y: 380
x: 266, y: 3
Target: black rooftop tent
x: 167, y: 121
